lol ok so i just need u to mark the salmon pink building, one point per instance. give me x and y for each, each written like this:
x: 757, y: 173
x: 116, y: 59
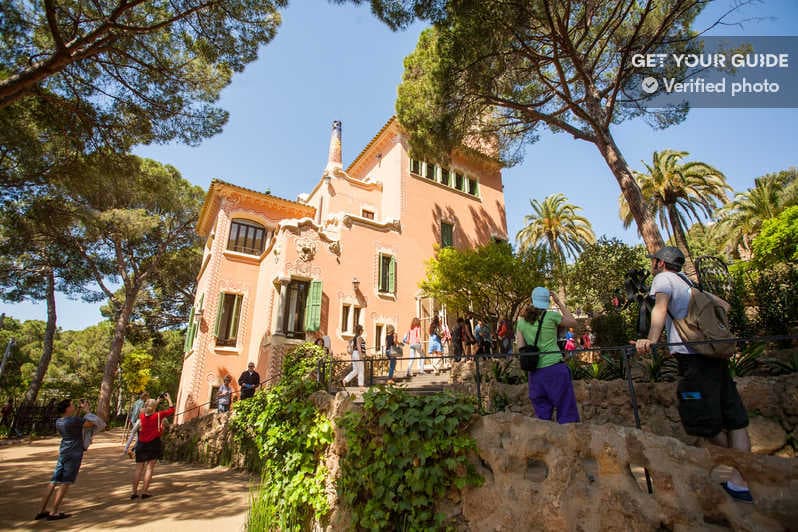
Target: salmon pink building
x: 276, y: 273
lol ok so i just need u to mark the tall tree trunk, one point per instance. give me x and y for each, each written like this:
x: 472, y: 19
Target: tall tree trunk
x: 115, y: 354
x: 681, y: 242
x: 49, y: 339
x: 631, y: 191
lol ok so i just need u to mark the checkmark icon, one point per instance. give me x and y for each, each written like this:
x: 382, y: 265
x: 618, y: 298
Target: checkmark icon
x: 650, y: 85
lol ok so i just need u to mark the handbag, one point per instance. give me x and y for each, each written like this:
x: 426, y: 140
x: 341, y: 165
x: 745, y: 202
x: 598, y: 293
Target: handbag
x: 530, y: 354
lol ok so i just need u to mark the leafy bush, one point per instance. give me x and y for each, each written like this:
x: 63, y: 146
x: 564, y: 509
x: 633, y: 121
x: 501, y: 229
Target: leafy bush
x: 776, y: 291
x: 610, y: 329
x: 404, y: 452
x: 782, y: 365
x: 659, y: 366
x: 290, y: 436
x: 747, y: 361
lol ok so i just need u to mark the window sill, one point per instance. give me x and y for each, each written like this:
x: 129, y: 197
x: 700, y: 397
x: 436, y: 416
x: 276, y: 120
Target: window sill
x: 387, y: 295
x: 226, y: 350
x: 241, y: 257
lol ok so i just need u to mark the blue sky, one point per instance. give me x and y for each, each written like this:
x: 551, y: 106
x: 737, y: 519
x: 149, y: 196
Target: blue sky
x: 339, y: 63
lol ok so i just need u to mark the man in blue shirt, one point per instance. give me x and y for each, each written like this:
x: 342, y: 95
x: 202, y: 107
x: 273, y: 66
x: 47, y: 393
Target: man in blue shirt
x: 70, y: 455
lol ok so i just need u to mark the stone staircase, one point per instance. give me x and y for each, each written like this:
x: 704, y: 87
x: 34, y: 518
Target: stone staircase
x: 427, y: 383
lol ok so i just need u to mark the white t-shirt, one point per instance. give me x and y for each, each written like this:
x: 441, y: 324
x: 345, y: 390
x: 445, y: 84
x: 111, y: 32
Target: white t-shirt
x: 678, y: 290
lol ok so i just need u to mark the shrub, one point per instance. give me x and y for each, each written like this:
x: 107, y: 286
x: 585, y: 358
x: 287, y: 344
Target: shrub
x: 289, y: 435
x: 404, y: 452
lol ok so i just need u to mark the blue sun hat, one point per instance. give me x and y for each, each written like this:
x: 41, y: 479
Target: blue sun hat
x: 540, y: 298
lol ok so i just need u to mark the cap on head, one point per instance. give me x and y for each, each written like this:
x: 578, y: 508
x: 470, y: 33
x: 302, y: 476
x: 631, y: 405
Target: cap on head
x: 669, y: 255
x: 540, y: 298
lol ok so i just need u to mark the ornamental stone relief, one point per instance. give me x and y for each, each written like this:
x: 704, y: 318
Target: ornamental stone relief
x: 306, y: 249
x: 303, y: 269
x: 335, y: 247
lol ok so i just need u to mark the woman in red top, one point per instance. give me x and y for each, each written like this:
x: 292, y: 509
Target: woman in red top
x: 148, y: 446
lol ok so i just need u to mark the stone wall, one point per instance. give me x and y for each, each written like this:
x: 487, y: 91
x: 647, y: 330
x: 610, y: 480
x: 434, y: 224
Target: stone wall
x: 207, y: 440
x: 772, y: 404
x: 543, y: 476
x: 587, y: 476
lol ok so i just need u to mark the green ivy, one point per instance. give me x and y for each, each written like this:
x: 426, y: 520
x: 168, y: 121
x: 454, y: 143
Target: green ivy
x: 404, y: 453
x: 290, y: 437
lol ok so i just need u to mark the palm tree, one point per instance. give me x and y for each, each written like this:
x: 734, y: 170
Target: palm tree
x: 678, y: 193
x: 740, y: 220
x: 555, y: 224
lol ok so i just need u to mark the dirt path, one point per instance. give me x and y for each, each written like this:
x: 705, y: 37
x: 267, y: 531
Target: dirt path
x: 183, y: 497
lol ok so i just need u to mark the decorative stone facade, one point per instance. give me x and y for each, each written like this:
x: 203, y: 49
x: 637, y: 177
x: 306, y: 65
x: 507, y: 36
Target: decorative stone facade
x: 328, y: 248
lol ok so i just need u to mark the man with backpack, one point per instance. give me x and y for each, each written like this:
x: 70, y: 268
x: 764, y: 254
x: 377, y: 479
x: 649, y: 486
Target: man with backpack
x: 709, y: 405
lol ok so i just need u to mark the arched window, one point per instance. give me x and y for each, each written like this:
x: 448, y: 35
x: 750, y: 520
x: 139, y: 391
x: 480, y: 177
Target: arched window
x: 247, y: 237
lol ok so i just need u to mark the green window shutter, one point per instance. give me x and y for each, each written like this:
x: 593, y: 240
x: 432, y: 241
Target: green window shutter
x: 219, y: 309
x: 313, y: 307
x: 192, y: 336
x: 236, y: 315
x: 201, y: 301
x: 187, y: 342
x: 392, y: 276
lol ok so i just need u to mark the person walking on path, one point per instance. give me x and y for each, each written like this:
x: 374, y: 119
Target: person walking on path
x: 457, y: 340
x: 505, y: 334
x: 225, y: 395
x: 137, y: 406
x: 249, y: 381
x: 550, y: 386
x: 469, y: 341
x: 391, y: 350
x: 70, y: 455
x: 483, y: 334
x: 416, y: 349
x: 709, y: 405
x: 435, y: 349
x: 148, y: 429
x: 358, y: 353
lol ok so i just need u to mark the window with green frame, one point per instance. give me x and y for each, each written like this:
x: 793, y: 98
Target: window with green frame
x: 386, y: 274
x: 445, y: 178
x: 415, y: 166
x: 447, y: 235
x: 430, y: 171
x: 227, y: 317
x: 473, y: 187
x: 458, y: 181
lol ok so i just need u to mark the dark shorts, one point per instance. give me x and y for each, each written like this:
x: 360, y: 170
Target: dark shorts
x: 66, y: 469
x: 707, y: 397
x: 147, y: 451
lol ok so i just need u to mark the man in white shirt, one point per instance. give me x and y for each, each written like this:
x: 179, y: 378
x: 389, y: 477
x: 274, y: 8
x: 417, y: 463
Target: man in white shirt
x: 709, y: 405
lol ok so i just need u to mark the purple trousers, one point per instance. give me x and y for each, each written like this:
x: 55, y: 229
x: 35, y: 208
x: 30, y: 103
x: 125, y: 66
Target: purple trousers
x: 551, y: 388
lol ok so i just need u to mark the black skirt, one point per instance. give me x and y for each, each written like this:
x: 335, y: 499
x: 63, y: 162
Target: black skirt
x: 146, y: 451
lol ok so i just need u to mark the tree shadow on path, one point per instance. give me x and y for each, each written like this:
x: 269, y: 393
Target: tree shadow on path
x: 184, y: 497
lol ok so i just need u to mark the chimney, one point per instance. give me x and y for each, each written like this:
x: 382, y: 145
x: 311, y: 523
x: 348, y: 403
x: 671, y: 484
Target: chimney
x: 334, y: 157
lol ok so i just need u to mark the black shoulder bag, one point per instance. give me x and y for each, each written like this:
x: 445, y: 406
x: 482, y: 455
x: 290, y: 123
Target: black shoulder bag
x: 530, y: 354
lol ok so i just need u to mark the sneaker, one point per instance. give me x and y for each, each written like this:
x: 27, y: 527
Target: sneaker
x: 42, y: 515
x: 58, y: 516
x: 739, y: 496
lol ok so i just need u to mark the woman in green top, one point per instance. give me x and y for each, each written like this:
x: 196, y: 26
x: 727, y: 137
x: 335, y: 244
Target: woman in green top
x: 550, y: 386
